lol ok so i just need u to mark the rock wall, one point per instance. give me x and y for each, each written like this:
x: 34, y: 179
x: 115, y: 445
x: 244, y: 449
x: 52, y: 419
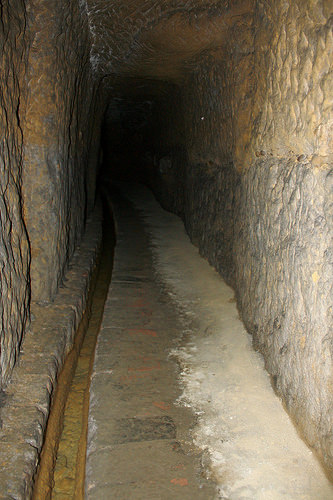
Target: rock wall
x: 256, y: 178
x: 57, y: 128
x: 50, y: 115
x: 284, y: 279
x: 14, y: 247
x: 282, y: 255
x: 121, y: 32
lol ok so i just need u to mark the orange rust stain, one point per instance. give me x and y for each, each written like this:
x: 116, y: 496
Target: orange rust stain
x: 180, y: 481
x: 138, y: 303
x: 145, y: 414
x: 161, y: 405
x: 146, y: 312
x: 178, y: 467
x: 126, y: 379
x: 142, y: 331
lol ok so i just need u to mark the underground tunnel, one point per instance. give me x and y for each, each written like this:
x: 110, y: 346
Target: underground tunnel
x: 207, y: 122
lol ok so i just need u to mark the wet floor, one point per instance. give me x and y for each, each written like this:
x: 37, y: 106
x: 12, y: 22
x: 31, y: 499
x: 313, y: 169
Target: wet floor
x: 139, y: 442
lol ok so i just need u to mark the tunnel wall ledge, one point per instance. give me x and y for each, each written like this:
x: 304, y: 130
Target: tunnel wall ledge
x: 25, y: 405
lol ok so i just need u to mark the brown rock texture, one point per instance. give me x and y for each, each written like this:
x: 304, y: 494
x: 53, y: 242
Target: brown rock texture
x: 14, y: 247
x: 149, y: 38
x: 293, y: 64
x: 284, y: 281
x: 231, y: 111
x: 51, y: 111
x: 57, y: 132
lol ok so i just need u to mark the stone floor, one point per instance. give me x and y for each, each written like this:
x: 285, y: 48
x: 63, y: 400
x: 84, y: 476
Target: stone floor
x: 174, y: 366
x: 139, y: 444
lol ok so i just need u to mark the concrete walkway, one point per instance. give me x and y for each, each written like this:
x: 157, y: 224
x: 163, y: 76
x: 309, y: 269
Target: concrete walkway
x: 138, y: 439
x: 148, y: 419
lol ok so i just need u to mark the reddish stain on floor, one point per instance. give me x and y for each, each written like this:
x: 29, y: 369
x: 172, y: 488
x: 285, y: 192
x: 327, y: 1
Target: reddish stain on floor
x: 142, y: 331
x: 180, y: 481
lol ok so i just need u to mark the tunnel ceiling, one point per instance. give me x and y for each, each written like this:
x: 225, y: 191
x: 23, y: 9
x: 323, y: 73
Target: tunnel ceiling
x: 138, y: 43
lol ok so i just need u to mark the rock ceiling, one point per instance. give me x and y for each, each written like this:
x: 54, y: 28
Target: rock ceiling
x: 149, y: 40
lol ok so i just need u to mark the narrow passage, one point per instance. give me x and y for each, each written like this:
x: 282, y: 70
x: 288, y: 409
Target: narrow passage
x: 167, y: 304
x: 139, y: 446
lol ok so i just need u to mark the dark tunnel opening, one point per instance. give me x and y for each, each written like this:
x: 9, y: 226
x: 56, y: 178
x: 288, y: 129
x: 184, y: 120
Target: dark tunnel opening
x: 126, y: 139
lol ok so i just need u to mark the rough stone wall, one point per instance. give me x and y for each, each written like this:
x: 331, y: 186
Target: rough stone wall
x: 57, y: 132
x: 257, y: 188
x: 210, y: 175
x: 283, y: 240
x: 283, y: 262
x: 14, y: 248
x: 50, y: 115
x: 200, y: 179
x: 54, y: 330
x: 117, y: 28
x: 293, y: 64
